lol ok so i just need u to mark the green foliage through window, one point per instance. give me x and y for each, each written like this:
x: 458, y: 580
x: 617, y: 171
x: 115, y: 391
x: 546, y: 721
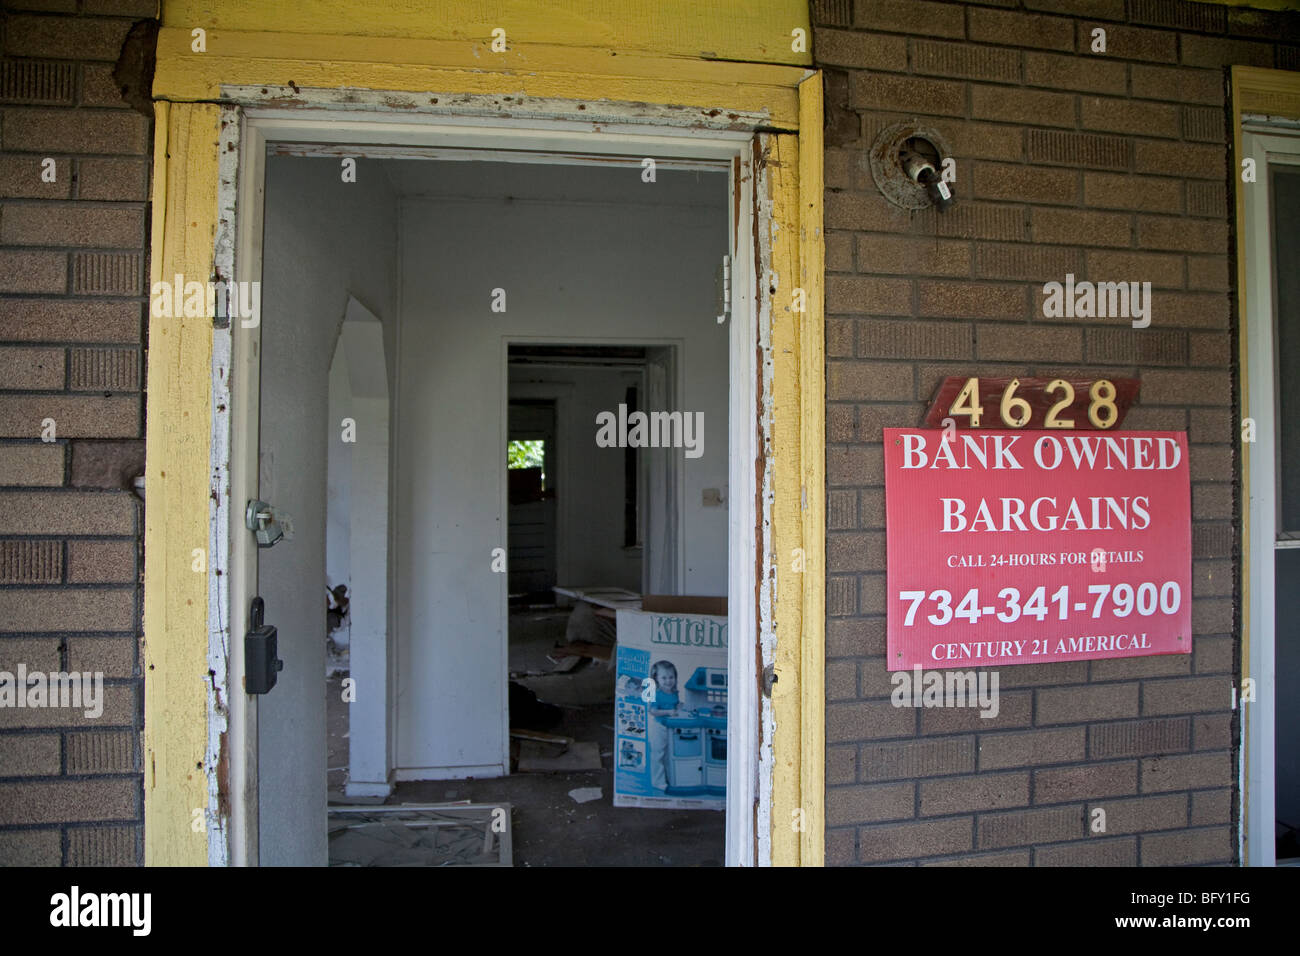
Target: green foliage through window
x: 525, y: 454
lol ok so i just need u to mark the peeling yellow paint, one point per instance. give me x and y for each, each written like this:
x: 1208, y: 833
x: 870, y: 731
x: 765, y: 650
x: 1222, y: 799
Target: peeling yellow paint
x: 176, y: 489
x: 731, y: 55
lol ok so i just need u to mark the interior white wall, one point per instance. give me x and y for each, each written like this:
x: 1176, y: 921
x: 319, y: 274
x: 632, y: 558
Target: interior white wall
x: 584, y: 254
x: 324, y: 239
x: 589, y: 485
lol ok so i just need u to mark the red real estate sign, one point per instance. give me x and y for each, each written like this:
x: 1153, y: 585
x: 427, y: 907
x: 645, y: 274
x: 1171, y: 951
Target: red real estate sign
x: 1019, y: 547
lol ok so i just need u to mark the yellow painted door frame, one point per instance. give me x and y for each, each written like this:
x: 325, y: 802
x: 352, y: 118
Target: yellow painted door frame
x: 187, y: 789
x: 1273, y: 93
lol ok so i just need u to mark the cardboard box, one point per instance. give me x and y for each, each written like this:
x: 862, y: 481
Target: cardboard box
x: 670, y: 711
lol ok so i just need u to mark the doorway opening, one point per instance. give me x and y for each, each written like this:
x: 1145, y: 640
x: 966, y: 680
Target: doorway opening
x: 496, y: 487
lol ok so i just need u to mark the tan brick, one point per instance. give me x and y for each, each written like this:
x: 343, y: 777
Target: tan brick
x: 1212, y: 731
x: 1014, y: 710
x: 869, y: 804
x: 1177, y: 84
x: 1092, y: 853
x: 1220, y: 51
x: 1191, y: 160
x: 863, y: 295
x: 1211, y: 578
x: 24, y: 611
x: 1189, y: 695
x: 1208, y: 272
x: 912, y: 840
x: 867, y: 721
x: 75, y: 131
x: 36, y: 654
x: 45, y: 320
x: 1131, y: 43
x: 917, y: 758
x: 1140, y: 738
x: 1019, y: 105
x: 1182, y: 387
x: 1212, y: 425
x: 1010, y: 858
x: 1057, y: 147
x: 977, y: 220
x: 103, y: 752
x: 1043, y: 675
x: 1123, y: 346
x: 31, y: 369
x: 853, y: 466
x: 1166, y: 232
x: 1187, y: 847
x: 971, y: 300
x: 1047, y: 344
x: 1027, y: 827
x: 75, y: 416
x: 113, y: 179
x: 98, y: 88
x: 114, y: 657
x: 101, y: 562
x: 48, y: 6
x: 1021, y: 29
x: 1161, y: 270
x: 841, y: 676
x: 841, y: 423
x: 1214, y: 655
x: 1023, y: 261
x: 1210, y: 807
x: 1030, y: 747
x: 866, y: 51
x: 1025, y: 183
x: 60, y: 224
x: 841, y: 764
x: 1130, y: 116
x: 865, y: 212
x: 1082, y: 227
x: 1142, y: 813
x: 1109, y: 9
x: 1122, y: 191
x: 914, y: 257
x: 31, y: 464
x: 1209, y: 463
x: 65, y: 37
x: 909, y: 16
x: 59, y: 512
x: 1134, y: 668
x: 1186, y: 772
x: 30, y: 755
x: 57, y: 801
x: 985, y: 791
x: 117, y: 703
x: 22, y: 176
x: 30, y: 847
x: 1088, y: 74
x: 143, y: 9
x: 1210, y: 348
x: 858, y: 380
x: 103, y: 846
x: 857, y: 636
x: 841, y: 847
x: 1074, y: 704
x: 839, y: 256
x: 33, y: 271
x: 1090, y: 781
x: 873, y: 418
x: 1190, y: 310
x: 871, y: 91
x: 954, y: 60
x: 982, y: 141
x: 106, y: 464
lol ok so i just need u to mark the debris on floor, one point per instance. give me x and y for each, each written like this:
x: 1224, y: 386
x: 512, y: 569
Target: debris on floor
x: 586, y: 794
x: 442, y: 835
x: 576, y: 756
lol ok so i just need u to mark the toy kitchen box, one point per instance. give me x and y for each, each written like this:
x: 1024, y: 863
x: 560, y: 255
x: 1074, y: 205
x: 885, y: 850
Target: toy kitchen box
x: 670, y: 719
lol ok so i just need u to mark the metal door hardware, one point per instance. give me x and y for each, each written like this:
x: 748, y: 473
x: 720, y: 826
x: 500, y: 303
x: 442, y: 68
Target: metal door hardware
x: 268, y: 523
x: 262, y: 663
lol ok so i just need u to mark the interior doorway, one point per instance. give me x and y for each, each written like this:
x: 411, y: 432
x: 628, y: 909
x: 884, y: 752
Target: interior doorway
x: 447, y: 513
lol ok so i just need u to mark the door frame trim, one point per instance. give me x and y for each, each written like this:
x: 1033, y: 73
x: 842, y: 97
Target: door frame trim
x: 256, y: 127
x: 1274, y: 93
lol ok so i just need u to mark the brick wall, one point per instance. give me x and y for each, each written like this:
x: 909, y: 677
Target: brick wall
x: 73, y: 261
x: 1112, y: 167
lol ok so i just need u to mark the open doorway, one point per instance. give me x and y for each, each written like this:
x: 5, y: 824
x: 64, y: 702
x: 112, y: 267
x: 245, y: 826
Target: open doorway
x: 601, y: 278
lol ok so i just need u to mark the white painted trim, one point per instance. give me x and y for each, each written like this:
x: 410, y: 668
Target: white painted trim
x: 1258, y: 723
x: 748, y: 790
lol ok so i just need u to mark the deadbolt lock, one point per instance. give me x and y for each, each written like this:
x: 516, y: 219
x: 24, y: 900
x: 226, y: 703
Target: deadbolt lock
x: 268, y: 523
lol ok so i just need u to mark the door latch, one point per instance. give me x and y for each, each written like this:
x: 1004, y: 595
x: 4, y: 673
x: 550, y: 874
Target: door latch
x: 268, y: 523
x: 262, y: 664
